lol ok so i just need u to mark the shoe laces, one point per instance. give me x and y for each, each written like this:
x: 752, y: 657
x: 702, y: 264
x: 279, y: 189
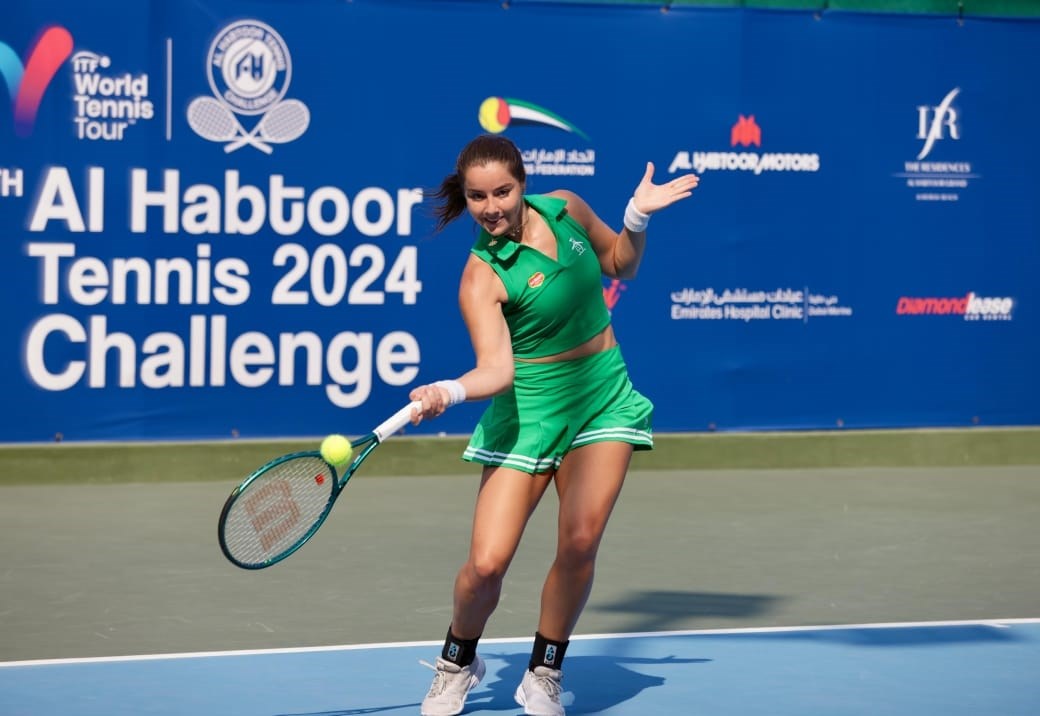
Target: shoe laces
x: 549, y: 683
x: 440, y: 681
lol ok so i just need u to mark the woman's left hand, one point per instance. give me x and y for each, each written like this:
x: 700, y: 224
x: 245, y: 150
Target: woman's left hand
x: 650, y: 197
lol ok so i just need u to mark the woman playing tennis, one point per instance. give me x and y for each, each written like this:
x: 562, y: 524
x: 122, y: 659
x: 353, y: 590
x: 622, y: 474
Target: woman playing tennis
x: 563, y: 409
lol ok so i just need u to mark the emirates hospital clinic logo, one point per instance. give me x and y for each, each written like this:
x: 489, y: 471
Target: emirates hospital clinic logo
x: 249, y: 74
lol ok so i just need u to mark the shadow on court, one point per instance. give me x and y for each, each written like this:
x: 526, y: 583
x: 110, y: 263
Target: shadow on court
x: 908, y: 636
x: 668, y: 610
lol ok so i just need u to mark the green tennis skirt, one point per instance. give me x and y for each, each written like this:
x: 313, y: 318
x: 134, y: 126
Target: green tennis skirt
x: 553, y: 408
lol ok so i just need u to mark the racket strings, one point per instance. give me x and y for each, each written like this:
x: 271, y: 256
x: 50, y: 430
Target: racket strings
x: 278, y: 509
x: 285, y: 122
x: 212, y: 120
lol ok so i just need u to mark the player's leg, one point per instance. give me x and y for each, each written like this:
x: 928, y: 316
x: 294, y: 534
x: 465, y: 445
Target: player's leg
x: 505, y: 502
x: 588, y: 482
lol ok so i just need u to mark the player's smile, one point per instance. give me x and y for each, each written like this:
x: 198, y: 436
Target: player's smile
x: 496, y: 222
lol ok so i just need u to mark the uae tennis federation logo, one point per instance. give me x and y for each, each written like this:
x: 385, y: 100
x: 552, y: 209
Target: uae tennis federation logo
x: 249, y: 73
x: 497, y: 113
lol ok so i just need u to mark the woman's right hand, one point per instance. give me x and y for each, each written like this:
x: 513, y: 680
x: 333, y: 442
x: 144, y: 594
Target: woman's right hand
x: 435, y: 401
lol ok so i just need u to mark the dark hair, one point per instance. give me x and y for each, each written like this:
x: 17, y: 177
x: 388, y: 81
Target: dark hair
x: 485, y: 149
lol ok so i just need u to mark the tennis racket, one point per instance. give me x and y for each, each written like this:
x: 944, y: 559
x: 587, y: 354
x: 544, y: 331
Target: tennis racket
x: 213, y: 120
x: 280, y: 506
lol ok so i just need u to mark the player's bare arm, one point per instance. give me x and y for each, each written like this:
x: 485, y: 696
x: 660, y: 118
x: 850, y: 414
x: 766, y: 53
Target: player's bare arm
x: 481, y: 296
x: 621, y: 252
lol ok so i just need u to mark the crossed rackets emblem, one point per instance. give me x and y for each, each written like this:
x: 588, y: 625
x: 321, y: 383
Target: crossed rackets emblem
x: 250, y: 69
x: 213, y: 120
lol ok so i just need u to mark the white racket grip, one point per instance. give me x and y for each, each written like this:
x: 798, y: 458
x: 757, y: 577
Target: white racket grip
x: 396, y: 421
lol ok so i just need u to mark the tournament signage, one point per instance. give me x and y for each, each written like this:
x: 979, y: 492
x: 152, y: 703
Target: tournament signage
x: 214, y: 222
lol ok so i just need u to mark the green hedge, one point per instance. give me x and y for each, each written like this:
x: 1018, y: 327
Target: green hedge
x: 228, y: 462
x: 958, y: 8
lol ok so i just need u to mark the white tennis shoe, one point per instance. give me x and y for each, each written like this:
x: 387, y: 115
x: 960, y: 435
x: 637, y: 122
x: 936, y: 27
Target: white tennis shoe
x: 447, y: 694
x: 539, y: 692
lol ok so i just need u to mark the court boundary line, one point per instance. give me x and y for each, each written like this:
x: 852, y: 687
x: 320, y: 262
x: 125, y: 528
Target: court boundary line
x: 993, y: 623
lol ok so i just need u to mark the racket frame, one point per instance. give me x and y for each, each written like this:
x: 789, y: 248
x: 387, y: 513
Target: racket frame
x: 366, y: 444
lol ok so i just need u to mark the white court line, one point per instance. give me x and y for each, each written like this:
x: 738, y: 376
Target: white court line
x: 993, y: 623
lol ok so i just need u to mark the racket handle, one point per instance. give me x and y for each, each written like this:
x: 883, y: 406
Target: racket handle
x: 396, y: 421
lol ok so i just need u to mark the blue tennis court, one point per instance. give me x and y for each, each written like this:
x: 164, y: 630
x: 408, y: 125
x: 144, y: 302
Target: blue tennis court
x: 951, y: 668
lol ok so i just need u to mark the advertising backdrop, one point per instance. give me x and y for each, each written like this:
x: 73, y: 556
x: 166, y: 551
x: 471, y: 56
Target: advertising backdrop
x: 213, y: 222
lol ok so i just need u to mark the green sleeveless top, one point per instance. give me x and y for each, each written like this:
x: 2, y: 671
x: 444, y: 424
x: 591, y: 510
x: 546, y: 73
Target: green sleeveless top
x: 551, y: 306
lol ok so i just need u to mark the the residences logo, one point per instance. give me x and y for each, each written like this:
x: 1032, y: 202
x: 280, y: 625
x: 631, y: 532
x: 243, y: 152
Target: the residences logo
x: 936, y: 173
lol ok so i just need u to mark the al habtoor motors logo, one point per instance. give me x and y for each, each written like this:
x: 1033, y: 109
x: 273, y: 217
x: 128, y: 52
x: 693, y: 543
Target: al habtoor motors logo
x: 746, y: 132
x: 249, y: 73
x: 496, y: 114
x: 931, y: 174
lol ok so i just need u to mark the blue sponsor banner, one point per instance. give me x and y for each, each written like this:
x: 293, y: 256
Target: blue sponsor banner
x: 214, y: 222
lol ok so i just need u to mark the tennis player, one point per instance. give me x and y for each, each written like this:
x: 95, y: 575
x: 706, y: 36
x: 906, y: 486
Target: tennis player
x: 563, y: 408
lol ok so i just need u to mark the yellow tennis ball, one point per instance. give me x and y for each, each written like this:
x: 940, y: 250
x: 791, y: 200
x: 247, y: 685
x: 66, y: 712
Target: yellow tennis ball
x: 336, y: 450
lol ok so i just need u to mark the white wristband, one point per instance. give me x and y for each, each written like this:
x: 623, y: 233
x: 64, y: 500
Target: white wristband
x: 456, y: 393
x: 635, y: 220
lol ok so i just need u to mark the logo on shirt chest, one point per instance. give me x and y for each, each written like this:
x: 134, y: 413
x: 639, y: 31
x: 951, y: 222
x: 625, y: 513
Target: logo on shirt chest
x: 536, y: 279
x: 577, y: 247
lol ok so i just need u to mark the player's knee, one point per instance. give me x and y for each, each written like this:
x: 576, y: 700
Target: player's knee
x: 487, y: 570
x: 579, y: 547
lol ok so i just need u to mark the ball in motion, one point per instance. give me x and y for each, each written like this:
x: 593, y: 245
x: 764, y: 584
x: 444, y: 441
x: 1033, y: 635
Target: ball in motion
x: 336, y: 450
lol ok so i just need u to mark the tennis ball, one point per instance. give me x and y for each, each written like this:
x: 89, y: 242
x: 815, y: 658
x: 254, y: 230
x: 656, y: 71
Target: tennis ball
x: 494, y: 114
x: 336, y: 450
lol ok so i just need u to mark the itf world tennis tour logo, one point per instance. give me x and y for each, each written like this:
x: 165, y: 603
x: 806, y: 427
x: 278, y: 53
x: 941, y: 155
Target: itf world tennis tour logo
x: 249, y: 74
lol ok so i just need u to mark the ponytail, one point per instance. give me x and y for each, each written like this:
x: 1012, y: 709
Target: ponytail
x: 451, y: 201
